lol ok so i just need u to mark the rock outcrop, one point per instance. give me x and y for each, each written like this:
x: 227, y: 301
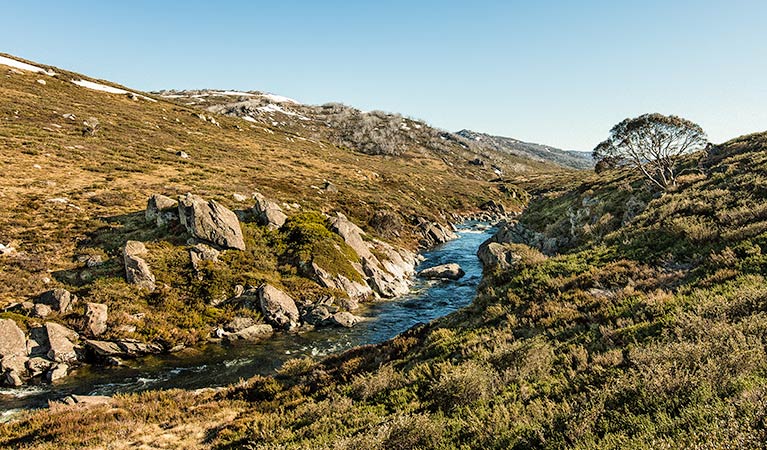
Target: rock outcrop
x: 210, y: 222
x: 96, y: 316
x: 60, y: 346
x: 161, y: 210
x: 126, y: 348
x: 137, y: 270
x: 516, y: 233
x: 345, y: 319
x: 13, y: 352
x: 60, y: 300
x: 434, y: 233
x: 443, y: 272
x: 388, y: 276
x: 200, y: 253
x: 268, y: 213
x: 252, y: 333
x: 278, y: 307
x: 494, y: 255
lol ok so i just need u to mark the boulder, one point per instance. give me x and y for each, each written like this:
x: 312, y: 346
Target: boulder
x: 435, y: 233
x: 161, y: 210
x: 355, y: 290
x: 96, y: 316
x: 126, y: 348
x: 60, y: 346
x: 251, y: 333
x: 277, y: 307
x: 86, y: 400
x: 39, y: 365
x: 317, y: 315
x: 13, y: 352
x: 494, y: 255
x: 239, y: 324
x: 137, y: 271
x: 210, y: 222
x: 60, y: 300
x: 352, y: 235
x: 41, y: 310
x: 268, y: 212
x: 443, y: 272
x: 346, y: 319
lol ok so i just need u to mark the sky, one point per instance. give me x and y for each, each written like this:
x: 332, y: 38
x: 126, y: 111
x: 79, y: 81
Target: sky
x: 555, y: 72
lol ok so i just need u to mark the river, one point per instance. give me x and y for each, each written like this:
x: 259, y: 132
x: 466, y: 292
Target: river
x: 215, y: 365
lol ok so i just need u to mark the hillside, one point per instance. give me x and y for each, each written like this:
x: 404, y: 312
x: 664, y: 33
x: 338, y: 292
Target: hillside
x: 645, y: 330
x: 316, y: 221
x: 376, y: 132
x: 536, y: 152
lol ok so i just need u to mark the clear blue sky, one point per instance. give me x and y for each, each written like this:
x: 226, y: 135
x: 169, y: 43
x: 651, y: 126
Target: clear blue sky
x: 555, y: 72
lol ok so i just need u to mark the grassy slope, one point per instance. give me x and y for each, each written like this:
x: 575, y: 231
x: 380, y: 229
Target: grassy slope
x: 107, y: 178
x: 651, y: 335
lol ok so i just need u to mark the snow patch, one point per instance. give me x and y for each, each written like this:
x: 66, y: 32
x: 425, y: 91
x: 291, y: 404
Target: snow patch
x: 278, y: 98
x: 249, y: 119
x: 109, y: 89
x: 238, y: 93
x: 24, y: 66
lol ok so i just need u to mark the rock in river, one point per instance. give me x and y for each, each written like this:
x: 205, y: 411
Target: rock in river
x: 277, y: 307
x: 443, y: 272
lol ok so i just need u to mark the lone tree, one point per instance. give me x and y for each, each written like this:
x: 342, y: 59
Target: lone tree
x: 653, y: 144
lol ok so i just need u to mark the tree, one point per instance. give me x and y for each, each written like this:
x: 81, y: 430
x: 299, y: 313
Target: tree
x: 653, y: 143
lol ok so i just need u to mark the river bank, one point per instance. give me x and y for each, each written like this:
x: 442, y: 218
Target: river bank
x: 214, y: 365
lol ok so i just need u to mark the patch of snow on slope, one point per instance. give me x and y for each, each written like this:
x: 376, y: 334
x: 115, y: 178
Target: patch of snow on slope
x: 278, y: 98
x: 246, y: 94
x: 24, y: 66
x: 249, y: 119
x: 104, y: 88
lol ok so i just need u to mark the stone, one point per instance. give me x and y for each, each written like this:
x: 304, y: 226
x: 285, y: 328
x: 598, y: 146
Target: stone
x: 126, y: 348
x: 58, y: 372
x: 210, y: 222
x: 60, y: 300
x: 268, y: 212
x: 161, y: 210
x: 355, y: 290
x: 60, y: 346
x: 443, y: 272
x: 182, y: 154
x: 317, y: 315
x: 6, y: 250
x: 352, y: 235
x: 239, y: 324
x: 494, y: 255
x: 13, y: 342
x: 346, y: 319
x: 200, y: 253
x: 277, y: 307
x: 251, y: 333
x: 137, y: 270
x: 96, y: 316
x: 39, y: 365
x: 41, y: 310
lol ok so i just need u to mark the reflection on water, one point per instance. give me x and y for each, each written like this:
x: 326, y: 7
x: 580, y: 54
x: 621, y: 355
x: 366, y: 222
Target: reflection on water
x: 216, y: 365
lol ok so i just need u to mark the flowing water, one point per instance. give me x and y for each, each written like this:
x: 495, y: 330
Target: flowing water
x: 216, y: 365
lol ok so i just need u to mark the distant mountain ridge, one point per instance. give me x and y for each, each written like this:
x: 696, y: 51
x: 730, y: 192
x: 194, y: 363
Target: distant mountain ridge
x: 538, y: 152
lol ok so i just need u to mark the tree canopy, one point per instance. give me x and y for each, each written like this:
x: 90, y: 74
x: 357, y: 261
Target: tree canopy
x: 653, y: 144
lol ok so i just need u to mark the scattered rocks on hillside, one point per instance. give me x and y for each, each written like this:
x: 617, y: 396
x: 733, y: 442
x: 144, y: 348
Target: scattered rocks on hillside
x: 210, y: 222
x: 13, y: 352
x: 278, y: 307
x: 443, y: 272
x: 161, y: 210
x: 96, y: 315
x: 268, y: 213
x: 60, y: 300
x: 137, y: 270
